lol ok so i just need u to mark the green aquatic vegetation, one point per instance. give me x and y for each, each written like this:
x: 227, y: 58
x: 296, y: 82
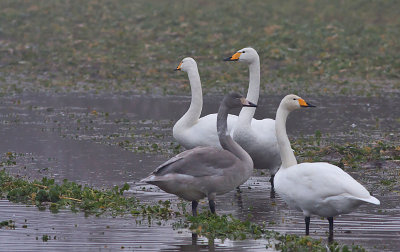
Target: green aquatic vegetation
x: 228, y: 227
x: 46, y: 237
x: 344, y: 155
x: 10, y: 224
x: 224, y: 226
x: 9, y: 160
x: 71, y: 195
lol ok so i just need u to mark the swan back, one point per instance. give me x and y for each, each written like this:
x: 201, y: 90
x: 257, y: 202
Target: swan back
x: 321, y: 188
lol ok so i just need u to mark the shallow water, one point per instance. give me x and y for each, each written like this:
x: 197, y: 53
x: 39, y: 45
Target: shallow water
x: 83, y: 138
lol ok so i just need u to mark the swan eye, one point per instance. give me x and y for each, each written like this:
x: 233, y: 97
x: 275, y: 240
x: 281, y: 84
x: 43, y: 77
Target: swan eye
x: 294, y: 99
x: 244, y: 52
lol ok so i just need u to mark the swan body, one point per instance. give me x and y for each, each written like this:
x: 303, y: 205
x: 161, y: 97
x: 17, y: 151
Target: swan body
x: 207, y: 171
x: 314, y: 188
x: 322, y: 189
x: 260, y: 136
x: 257, y: 137
x: 201, y: 132
x: 217, y: 172
x: 190, y: 130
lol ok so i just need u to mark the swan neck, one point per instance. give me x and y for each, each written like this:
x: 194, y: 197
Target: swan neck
x: 286, y: 152
x: 226, y: 140
x: 196, y: 104
x: 253, y: 93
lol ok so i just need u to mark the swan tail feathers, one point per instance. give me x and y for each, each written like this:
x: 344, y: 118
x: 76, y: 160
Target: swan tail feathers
x: 372, y: 200
x: 149, y: 179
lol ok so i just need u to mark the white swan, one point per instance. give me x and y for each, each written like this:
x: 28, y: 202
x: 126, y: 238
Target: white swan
x: 207, y: 171
x: 257, y: 137
x: 314, y: 188
x: 192, y: 131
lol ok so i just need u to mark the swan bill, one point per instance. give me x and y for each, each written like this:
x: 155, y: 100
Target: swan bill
x: 234, y: 57
x: 179, y: 67
x: 303, y: 103
x: 247, y: 103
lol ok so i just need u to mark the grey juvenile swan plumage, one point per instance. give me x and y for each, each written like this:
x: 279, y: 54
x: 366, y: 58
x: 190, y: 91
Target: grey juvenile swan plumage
x: 207, y: 171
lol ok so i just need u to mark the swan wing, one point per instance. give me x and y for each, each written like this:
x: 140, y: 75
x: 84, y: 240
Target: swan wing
x: 203, y: 132
x: 207, y: 125
x: 324, y: 180
x: 198, y: 162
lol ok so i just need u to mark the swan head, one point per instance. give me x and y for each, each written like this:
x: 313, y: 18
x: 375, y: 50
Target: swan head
x: 186, y: 64
x: 247, y: 55
x: 235, y: 100
x: 292, y: 102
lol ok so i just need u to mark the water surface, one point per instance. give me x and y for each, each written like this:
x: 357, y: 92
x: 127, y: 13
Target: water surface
x: 95, y: 140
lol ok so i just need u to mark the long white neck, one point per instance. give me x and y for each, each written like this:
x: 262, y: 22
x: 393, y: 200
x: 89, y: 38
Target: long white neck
x: 196, y: 104
x: 247, y: 113
x: 287, y: 155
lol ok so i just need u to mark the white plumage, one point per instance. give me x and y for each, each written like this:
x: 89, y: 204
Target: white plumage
x: 257, y: 137
x: 190, y: 130
x: 314, y: 188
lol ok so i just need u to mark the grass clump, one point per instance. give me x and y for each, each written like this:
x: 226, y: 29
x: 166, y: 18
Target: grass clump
x: 46, y: 193
x: 345, y: 155
x: 10, y: 224
x: 224, y: 226
x: 228, y: 227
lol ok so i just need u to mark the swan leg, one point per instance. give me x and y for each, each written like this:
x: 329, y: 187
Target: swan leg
x: 307, y: 219
x: 272, y: 192
x: 238, y: 189
x: 211, y: 202
x: 330, y: 238
x: 271, y: 180
x: 194, y: 239
x: 212, y: 206
x: 194, y: 207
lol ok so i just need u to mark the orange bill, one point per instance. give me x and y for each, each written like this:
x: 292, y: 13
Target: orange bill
x: 179, y: 66
x: 234, y: 57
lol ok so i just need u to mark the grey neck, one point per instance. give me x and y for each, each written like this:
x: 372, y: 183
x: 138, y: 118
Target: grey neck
x: 226, y: 140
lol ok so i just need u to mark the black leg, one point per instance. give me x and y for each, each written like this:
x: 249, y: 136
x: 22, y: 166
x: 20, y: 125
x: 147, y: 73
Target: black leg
x: 194, y: 207
x: 238, y: 196
x: 272, y: 192
x: 330, y: 238
x: 194, y: 239
x: 271, y: 180
x: 307, y: 219
x: 212, y: 206
x: 238, y: 189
